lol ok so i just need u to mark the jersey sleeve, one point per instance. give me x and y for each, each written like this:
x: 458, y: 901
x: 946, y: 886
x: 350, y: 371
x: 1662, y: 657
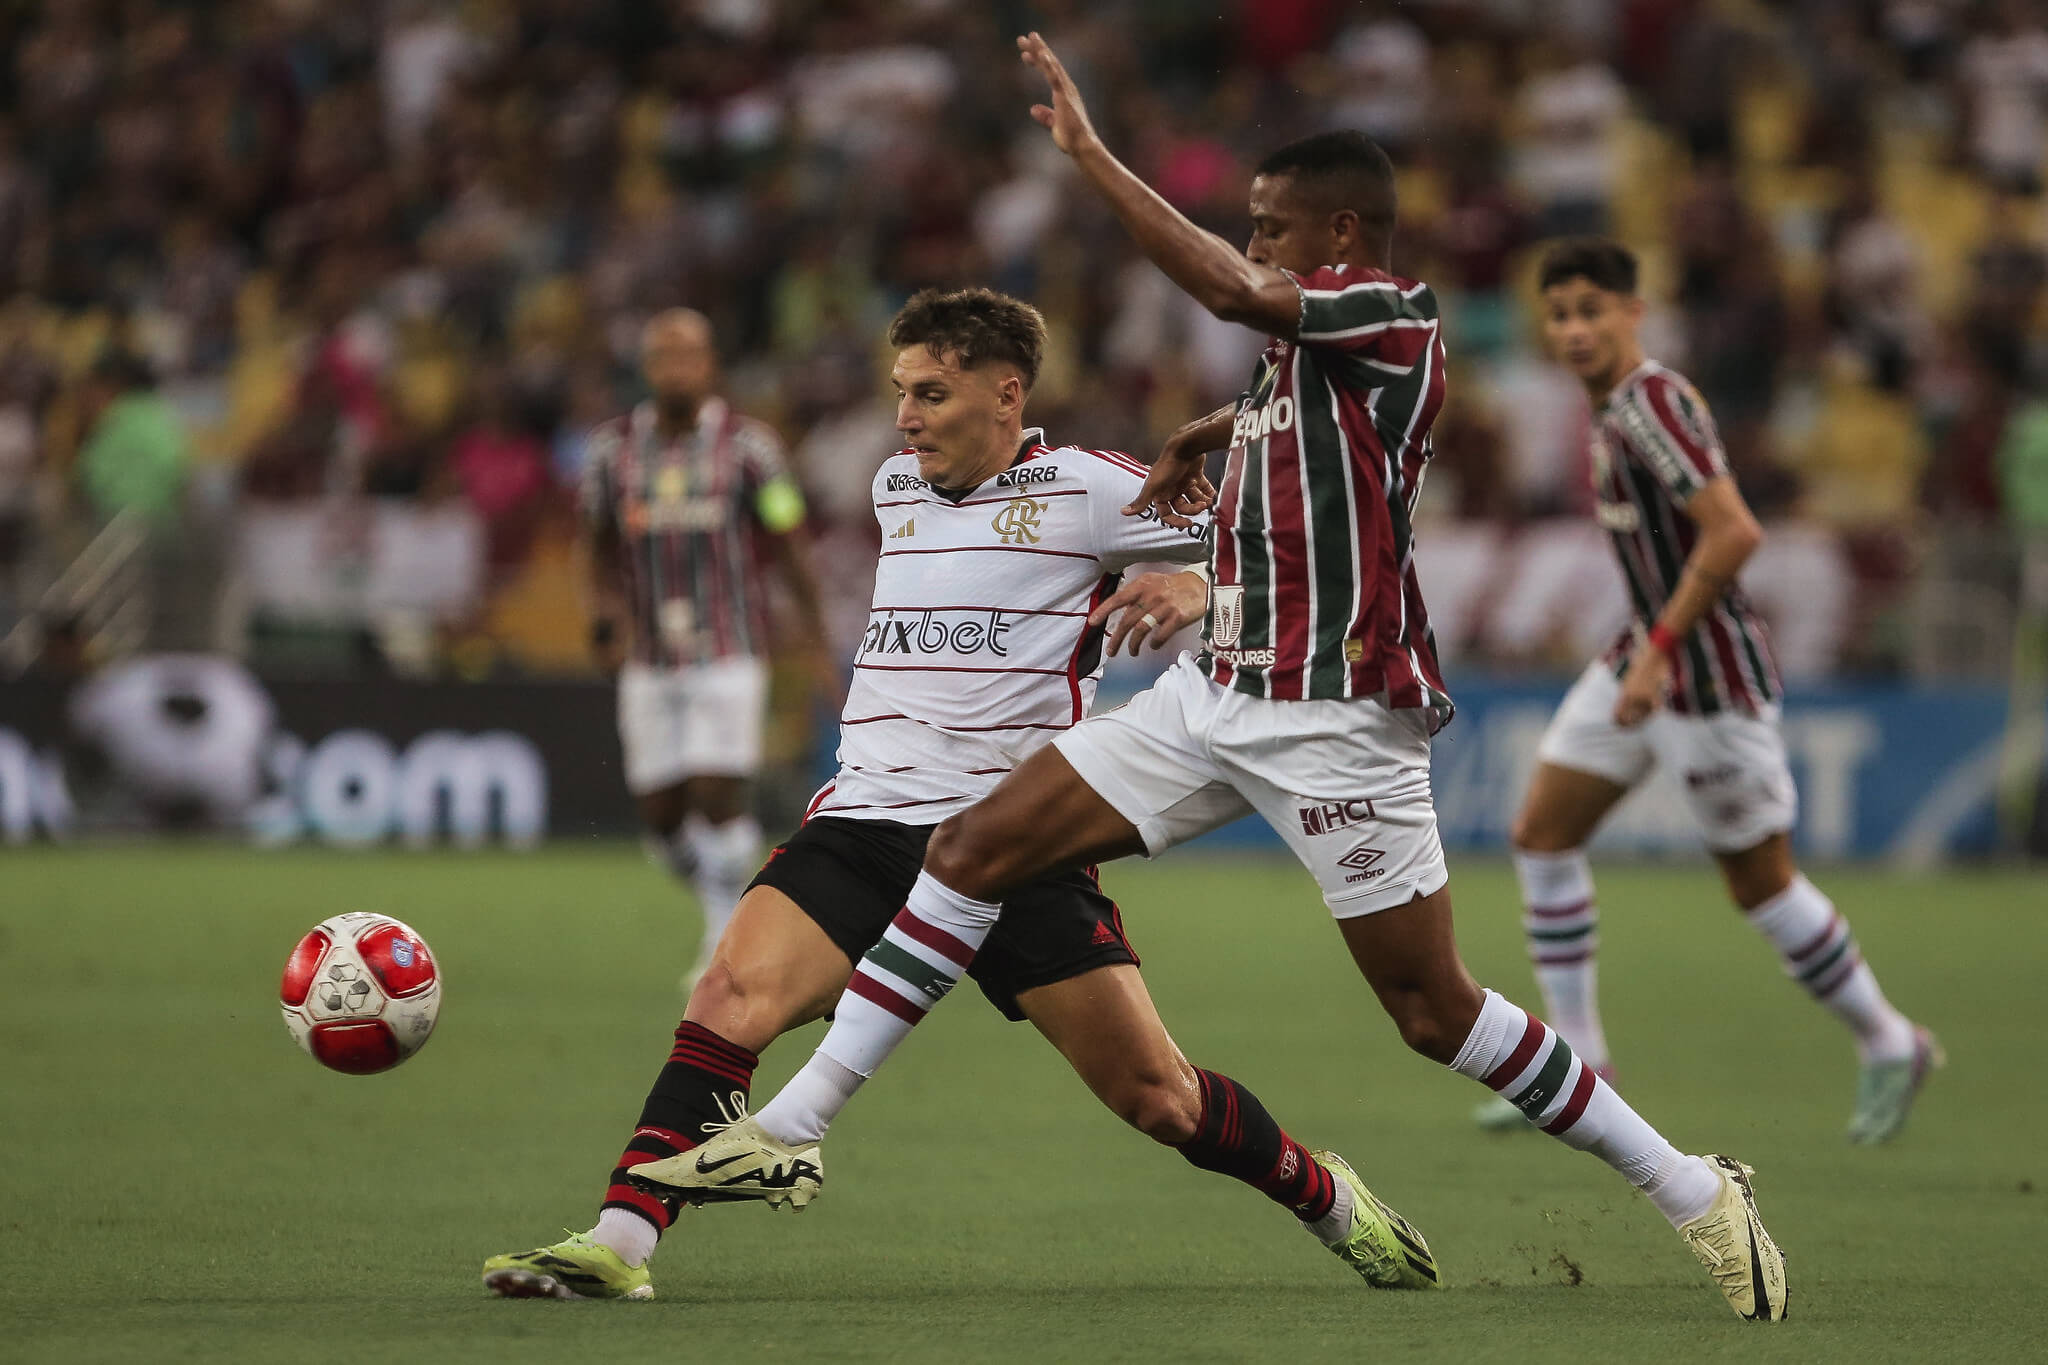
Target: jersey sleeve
x: 597, y: 488
x: 1382, y: 327
x: 1668, y: 425
x: 1122, y: 541
x: 773, y: 495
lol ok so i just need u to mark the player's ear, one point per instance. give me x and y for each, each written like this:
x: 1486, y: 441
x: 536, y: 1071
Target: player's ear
x: 1636, y: 308
x: 1343, y: 230
x: 1010, y: 394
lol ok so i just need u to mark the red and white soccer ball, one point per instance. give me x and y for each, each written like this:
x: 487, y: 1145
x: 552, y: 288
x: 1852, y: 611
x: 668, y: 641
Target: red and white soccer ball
x: 361, y: 993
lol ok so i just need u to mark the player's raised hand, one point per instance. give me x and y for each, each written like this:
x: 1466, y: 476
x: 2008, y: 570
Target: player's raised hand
x: 1066, y: 116
x: 1176, y: 488
x: 1154, y: 606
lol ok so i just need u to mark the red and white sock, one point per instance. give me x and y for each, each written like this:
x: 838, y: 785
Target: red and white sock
x: 921, y: 956
x: 1562, y: 923
x: 1819, y: 952
x: 1517, y: 1055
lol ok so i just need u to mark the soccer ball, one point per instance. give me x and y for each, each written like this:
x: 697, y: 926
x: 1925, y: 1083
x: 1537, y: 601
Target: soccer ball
x: 361, y: 993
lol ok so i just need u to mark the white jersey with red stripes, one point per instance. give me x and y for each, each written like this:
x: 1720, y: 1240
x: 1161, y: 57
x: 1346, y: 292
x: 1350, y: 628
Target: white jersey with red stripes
x: 978, y: 649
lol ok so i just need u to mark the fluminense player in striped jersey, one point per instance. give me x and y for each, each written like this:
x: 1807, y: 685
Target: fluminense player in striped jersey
x: 1313, y: 704
x: 682, y: 497
x: 1689, y: 685
x: 1001, y: 556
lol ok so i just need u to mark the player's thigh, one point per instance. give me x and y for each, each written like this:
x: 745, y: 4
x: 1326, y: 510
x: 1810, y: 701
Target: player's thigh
x: 717, y: 799
x: 1735, y: 774
x: 651, y: 704
x: 774, y: 968
x: 817, y: 905
x: 723, y: 705
x: 1106, y: 1026
x: 1584, y: 738
x: 1040, y: 818
x: 1346, y: 785
x: 1562, y: 808
x: 663, y: 809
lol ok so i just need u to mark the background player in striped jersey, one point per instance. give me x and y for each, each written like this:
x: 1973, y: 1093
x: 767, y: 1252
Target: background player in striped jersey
x: 979, y: 650
x: 683, y: 497
x: 1689, y: 685
x: 1315, y: 700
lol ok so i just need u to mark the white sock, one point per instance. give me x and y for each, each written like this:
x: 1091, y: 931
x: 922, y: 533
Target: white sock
x: 626, y: 1233
x: 921, y: 956
x: 808, y: 1102
x: 1562, y: 923
x: 725, y: 858
x: 1519, y: 1056
x: 1334, y: 1226
x: 1819, y: 952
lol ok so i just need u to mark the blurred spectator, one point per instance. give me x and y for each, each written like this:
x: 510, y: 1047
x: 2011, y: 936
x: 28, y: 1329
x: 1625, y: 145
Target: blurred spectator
x: 2004, y: 73
x: 502, y: 468
x: 135, y: 455
x: 1570, y: 155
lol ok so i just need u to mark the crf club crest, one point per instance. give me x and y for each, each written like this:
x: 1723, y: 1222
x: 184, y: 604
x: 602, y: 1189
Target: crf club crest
x: 1017, y: 521
x: 1226, y: 616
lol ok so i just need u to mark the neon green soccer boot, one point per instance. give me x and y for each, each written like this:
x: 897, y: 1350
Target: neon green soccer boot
x: 1383, y: 1247
x: 573, y: 1268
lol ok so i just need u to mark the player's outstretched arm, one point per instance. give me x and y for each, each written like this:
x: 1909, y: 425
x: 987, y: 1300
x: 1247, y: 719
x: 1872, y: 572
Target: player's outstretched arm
x: 1728, y: 536
x: 1176, y: 487
x: 1212, y: 271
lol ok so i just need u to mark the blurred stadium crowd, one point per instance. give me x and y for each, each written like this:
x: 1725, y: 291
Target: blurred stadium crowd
x: 305, y: 308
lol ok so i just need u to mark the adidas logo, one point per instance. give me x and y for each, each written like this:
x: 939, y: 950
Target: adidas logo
x: 1102, y: 934
x: 906, y: 530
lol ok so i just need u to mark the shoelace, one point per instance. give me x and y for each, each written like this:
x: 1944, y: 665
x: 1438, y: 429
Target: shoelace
x: 733, y: 1105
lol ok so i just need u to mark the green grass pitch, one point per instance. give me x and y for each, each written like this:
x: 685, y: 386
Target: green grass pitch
x: 180, y: 1183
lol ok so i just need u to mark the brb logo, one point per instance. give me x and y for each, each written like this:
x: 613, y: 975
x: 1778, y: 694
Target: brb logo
x: 1331, y: 816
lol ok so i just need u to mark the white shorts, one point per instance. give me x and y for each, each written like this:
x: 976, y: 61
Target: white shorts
x: 700, y: 721
x: 1731, y: 765
x: 1345, y: 783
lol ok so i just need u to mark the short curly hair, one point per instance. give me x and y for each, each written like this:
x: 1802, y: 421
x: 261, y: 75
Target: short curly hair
x: 975, y: 326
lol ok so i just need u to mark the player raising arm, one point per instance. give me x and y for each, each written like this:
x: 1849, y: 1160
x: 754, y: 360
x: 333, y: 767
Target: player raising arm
x: 1689, y: 685
x: 979, y: 650
x: 1313, y: 704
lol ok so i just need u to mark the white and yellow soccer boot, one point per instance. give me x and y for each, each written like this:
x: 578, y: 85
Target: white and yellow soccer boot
x: 1730, y: 1241
x: 741, y: 1163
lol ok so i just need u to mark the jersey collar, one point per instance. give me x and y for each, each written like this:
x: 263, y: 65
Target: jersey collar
x: 1033, y: 440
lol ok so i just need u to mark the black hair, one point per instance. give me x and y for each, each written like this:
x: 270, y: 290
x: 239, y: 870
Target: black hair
x: 1600, y: 261
x: 975, y: 326
x: 1341, y: 170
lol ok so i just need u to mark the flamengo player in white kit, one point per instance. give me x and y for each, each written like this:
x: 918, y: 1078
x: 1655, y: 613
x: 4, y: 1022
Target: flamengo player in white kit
x: 1313, y: 705
x: 1691, y: 686
x: 679, y: 496
x: 1000, y: 559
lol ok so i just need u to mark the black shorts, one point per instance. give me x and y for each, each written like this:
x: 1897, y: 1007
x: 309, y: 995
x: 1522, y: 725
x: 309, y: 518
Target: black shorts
x: 853, y: 876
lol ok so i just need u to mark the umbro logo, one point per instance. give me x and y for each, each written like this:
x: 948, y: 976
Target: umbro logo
x: 1362, y: 862
x: 906, y: 530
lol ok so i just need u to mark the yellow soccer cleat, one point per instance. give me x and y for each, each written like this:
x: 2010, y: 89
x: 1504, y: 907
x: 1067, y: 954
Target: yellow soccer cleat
x: 1730, y: 1241
x: 1383, y: 1247
x: 741, y: 1163
x: 573, y: 1268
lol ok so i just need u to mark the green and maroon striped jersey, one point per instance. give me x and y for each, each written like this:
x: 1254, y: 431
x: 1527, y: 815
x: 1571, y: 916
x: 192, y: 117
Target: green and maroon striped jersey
x: 689, y: 515
x: 1315, y: 593
x: 1654, y: 445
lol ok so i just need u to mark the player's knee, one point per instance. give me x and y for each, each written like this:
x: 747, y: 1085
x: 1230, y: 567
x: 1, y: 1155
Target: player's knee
x: 739, y: 1001
x: 1157, y: 1108
x: 1531, y: 833
x: 1430, y: 1023
x: 962, y: 855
